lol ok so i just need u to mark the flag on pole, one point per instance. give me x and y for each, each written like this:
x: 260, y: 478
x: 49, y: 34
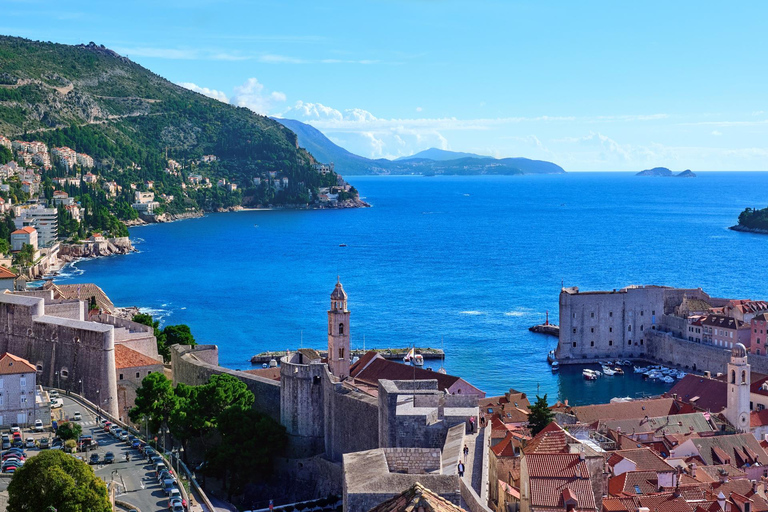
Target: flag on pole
x: 410, y: 355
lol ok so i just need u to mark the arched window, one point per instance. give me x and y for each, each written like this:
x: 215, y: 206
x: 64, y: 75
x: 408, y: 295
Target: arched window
x: 743, y: 376
x: 341, y: 329
x: 629, y: 328
x: 733, y: 376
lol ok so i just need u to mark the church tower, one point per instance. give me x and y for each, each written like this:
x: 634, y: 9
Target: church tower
x: 737, y: 410
x: 338, y: 333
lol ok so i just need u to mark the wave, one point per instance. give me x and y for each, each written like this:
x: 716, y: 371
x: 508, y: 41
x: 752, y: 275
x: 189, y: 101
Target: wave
x: 473, y: 313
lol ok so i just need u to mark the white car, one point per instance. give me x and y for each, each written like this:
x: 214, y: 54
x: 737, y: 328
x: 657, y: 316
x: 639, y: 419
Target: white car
x: 39, y: 425
x: 77, y: 416
x: 57, y: 403
x: 30, y: 442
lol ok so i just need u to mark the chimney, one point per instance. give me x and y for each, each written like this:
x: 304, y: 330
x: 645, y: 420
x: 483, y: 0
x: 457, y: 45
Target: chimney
x: 754, y: 486
x: 708, y: 374
x: 674, y: 396
x: 693, y: 470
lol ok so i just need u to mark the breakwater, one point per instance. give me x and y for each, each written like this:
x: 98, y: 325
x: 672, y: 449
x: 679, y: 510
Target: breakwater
x: 386, y: 353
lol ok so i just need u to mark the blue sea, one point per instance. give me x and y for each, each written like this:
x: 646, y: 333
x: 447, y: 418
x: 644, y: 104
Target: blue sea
x: 463, y: 263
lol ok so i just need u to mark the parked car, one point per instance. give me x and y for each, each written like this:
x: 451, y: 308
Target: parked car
x: 77, y: 416
x: 168, y: 486
x: 109, y: 458
x: 15, y: 428
x: 124, y: 436
x: 159, y: 467
x: 94, y: 458
x: 30, y: 442
x: 175, y: 494
x: 53, y: 393
x: 57, y: 443
x: 165, y: 475
x: 39, y: 427
x: 136, y: 443
x: 107, y: 426
x: 44, y: 443
x: 6, y: 442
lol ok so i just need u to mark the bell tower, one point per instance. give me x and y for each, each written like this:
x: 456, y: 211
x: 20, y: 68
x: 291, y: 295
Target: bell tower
x: 338, y: 333
x: 737, y: 410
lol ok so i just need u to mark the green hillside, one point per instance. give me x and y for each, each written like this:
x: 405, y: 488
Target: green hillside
x: 131, y: 121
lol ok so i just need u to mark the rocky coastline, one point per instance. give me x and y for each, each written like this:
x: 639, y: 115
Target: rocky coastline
x: 745, y: 229
x: 90, y: 249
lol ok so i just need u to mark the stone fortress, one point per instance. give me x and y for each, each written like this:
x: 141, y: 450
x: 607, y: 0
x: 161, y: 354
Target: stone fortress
x: 70, y: 349
x: 659, y: 323
x: 371, y: 446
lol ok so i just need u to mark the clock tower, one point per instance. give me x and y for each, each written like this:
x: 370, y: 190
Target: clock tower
x: 338, y: 333
x: 737, y: 410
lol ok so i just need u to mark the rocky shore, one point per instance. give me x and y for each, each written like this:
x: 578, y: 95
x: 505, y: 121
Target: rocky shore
x: 90, y: 249
x: 744, y: 229
x: 163, y: 217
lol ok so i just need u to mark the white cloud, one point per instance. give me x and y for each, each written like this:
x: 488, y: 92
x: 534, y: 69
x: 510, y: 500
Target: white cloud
x: 211, y: 93
x: 253, y: 96
x: 179, y: 53
x: 716, y: 133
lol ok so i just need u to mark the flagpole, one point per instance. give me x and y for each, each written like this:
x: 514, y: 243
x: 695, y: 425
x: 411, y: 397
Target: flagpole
x: 413, y: 363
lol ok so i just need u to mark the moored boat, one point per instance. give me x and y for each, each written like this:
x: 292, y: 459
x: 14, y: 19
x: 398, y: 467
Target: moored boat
x: 589, y: 374
x: 555, y: 366
x: 608, y: 371
x: 418, y: 360
x: 618, y: 371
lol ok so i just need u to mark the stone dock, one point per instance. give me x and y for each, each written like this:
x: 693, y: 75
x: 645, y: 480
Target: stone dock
x: 549, y: 329
x: 386, y: 353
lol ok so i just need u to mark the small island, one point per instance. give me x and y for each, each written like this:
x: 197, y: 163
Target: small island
x: 666, y: 173
x: 753, y: 221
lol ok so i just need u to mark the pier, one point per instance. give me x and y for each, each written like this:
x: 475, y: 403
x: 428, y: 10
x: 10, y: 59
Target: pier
x: 548, y: 329
x: 386, y: 353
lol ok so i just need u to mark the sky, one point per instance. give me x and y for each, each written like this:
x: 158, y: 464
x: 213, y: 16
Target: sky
x: 591, y: 86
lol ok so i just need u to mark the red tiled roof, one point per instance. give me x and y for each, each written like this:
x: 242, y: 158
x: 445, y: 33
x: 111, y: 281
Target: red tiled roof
x: 633, y: 482
x: 5, y: 273
x: 506, y: 448
x: 26, y: 230
x: 556, y: 465
x: 706, y: 394
x: 551, y: 439
x: 549, y: 492
x: 625, y: 410
x: 380, y: 368
x: 11, y: 365
x: 645, y: 460
x: 128, y: 358
x: 267, y: 373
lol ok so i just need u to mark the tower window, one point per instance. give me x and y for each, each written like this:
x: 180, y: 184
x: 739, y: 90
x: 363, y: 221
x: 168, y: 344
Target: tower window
x: 629, y: 328
x: 574, y: 344
x: 733, y: 377
x: 591, y: 343
x: 591, y: 329
x: 593, y: 315
x: 610, y: 343
x: 341, y: 329
x: 743, y: 377
x: 341, y: 353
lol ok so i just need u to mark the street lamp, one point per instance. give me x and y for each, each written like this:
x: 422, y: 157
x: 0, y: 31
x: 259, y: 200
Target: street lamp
x: 57, y: 380
x: 80, y: 381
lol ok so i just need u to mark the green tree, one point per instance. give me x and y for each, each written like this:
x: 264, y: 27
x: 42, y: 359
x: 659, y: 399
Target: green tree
x: 55, y: 479
x: 540, y: 415
x: 5, y: 246
x: 249, y: 443
x: 155, y: 402
x: 69, y: 430
x: 172, y: 335
x: 25, y: 256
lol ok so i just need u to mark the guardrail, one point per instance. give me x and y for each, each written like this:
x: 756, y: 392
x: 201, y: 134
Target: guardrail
x: 190, y: 476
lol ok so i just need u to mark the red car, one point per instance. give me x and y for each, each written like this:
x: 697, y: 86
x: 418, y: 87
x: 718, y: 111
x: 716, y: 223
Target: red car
x: 107, y: 426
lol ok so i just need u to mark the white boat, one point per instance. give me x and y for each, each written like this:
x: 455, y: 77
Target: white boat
x: 667, y: 379
x: 551, y: 357
x: 555, y: 366
x: 273, y: 363
x: 264, y: 365
x: 418, y: 360
x: 618, y: 371
x: 609, y: 372
x: 626, y: 363
x: 620, y: 399
x: 640, y: 369
x: 589, y: 374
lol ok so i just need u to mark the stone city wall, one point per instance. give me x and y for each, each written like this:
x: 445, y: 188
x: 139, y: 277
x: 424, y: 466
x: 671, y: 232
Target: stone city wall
x: 352, y: 421
x: 193, y: 366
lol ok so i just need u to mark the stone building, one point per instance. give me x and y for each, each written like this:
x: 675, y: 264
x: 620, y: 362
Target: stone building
x: 67, y: 351
x: 131, y: 367
x: 338, y: 333
x: 17, y: 391
x: 739, y: 381
x: 614, y: 324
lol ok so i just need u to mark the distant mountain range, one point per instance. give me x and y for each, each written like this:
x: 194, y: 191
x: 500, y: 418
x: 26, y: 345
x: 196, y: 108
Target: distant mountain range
x: 663, y: 172
x: 429, y: 162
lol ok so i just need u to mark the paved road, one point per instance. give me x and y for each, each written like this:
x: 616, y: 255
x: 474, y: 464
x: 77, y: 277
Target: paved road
x: 141, y: 487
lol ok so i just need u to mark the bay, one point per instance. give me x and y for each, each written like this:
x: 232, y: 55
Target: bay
x: 471, y: 261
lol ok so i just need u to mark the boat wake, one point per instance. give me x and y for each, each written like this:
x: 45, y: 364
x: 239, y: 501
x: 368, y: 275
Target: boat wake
x: 473, y: 313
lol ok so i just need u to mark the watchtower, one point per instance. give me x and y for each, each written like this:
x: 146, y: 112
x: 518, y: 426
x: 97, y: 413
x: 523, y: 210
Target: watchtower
x: 737, y: 408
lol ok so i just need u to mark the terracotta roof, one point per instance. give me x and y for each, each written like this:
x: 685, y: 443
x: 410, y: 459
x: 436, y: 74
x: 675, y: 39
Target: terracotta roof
x: 739, y: 448
x: 644, y: 459
x: 675, y: 424
x: 26, y: 230
x: 380, y: 368
x: 741, y: 487
x: 11, y: 365
x: 633, y: 482
x: 723, y: 322
x: 552, y: 492
x: 625, y: 410
x: 417, y: 497
x: 712, y: 473
x: 556, y: 465
x: 128, y: 358
x: 758, y: 418
x: 551, y: 439
x: 5, y: 273
x: 506, y: 447
x: 706, y: 394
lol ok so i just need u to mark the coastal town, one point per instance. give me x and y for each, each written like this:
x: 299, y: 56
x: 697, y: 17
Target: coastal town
x: 63, y: 208
x: 375, y: 431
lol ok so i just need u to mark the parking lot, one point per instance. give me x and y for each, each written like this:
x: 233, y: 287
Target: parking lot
x: 136, y: 481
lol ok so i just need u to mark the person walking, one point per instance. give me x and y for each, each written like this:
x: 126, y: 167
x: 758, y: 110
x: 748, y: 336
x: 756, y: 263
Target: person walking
x: 472, y: 425
x: 466, y: 451
x: 461, y: 469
